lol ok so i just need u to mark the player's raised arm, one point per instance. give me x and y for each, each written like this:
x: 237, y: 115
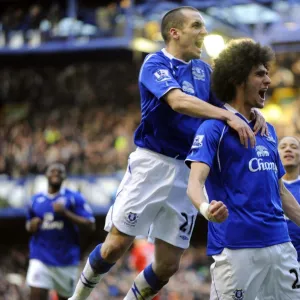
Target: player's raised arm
x: 191, y: 106
x: 290, y: 205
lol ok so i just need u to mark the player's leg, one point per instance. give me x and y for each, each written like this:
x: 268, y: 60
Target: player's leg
x: 140, y: 196
x: 239, y: 274
x: 64, y: 279
x: 39, y: 280
x: 100, y: 261
x: 149, y: 282
x: 171, y: 230
x: 283, y: 281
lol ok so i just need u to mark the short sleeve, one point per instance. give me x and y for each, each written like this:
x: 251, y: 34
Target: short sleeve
x: 280, y: 167
x: 82, y: 208
x: 205, y: 144
x: 157, y: 77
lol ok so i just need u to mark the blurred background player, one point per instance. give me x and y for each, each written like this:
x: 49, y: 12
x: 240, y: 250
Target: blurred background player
x: 252, y: 250
x: 175, y: 94
x: 53, y: 219
x: 289, y: 150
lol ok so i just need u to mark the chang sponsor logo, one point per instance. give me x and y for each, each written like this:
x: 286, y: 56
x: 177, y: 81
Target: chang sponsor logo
x: 50, y: 224
x: 262, y: 151
x: 257, y: 164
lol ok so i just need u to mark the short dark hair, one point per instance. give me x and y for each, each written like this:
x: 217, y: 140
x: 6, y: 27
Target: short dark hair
x: 173, y: 18
x: 234, y: 65
x: 290, y: 136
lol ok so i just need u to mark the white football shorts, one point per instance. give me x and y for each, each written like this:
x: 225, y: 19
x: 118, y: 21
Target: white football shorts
x: 152, y: 201
x: 60, y: 279
x: 270, y: 273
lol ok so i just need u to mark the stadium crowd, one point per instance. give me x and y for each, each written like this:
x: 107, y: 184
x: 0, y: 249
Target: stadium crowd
x: 193, y: 276
x: 79, y: 115
x: 54, y: 21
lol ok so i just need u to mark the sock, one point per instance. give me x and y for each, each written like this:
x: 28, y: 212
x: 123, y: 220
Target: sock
x: 93, y: 272
x: 145, y: 286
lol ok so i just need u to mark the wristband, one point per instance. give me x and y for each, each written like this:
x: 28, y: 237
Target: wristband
x: 204, y: 209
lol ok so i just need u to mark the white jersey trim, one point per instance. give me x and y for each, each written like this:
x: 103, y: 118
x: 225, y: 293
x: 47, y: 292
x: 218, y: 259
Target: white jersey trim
x: 233, y: 110
x: 146, y: 59
x: 291, y: 181
x: 170, y: 56
x: 218, y: 151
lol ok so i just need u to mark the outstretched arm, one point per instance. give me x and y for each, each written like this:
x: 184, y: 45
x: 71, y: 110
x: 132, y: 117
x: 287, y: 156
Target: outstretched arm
x: 194, y: 107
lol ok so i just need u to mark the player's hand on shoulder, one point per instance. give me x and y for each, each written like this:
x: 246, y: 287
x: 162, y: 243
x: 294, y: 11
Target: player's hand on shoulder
x: 217, y: 212
x: 244, y: 131
x: 59, y: 207
x: 34, y: 224
x: 260, y: 122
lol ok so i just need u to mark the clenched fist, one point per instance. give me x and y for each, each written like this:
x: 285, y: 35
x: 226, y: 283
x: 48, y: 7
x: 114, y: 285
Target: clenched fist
x: 217, y: 212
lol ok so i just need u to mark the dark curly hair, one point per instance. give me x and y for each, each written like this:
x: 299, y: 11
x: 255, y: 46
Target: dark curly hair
x: 234, y: 65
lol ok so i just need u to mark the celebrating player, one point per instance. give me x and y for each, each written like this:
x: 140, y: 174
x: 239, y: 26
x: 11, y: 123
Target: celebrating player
x: 289, y: 150
x: 175, y: 94
x: 251, y: 248
x: 53, y: 220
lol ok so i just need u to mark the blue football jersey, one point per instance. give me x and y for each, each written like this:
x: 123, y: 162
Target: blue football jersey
x: 294, y: 230
x: 162, y: 129
x: 246, y: 181
x: 56, y: 243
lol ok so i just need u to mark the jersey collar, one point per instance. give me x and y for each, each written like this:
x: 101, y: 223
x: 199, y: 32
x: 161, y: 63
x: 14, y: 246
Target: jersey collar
x: 61, y: 192
x: 233, y: 110
x: 171, y: 57
x: 291, y: 181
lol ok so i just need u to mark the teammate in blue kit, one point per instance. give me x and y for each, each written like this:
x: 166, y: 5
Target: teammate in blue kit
x: 289, y: 150
x: 175, y: 94
x: 251, y: 248
x: 53, y: 219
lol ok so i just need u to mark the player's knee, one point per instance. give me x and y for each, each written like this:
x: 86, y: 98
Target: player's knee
x: 111, y: 252
x: 115, y: 245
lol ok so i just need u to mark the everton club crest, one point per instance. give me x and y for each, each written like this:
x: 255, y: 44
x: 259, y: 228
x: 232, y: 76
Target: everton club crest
x: 198, y: 73
x: 238, y: 294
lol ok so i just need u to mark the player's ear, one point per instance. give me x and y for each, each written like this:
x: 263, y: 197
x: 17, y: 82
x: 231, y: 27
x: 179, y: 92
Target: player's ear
x: 174, y: 33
